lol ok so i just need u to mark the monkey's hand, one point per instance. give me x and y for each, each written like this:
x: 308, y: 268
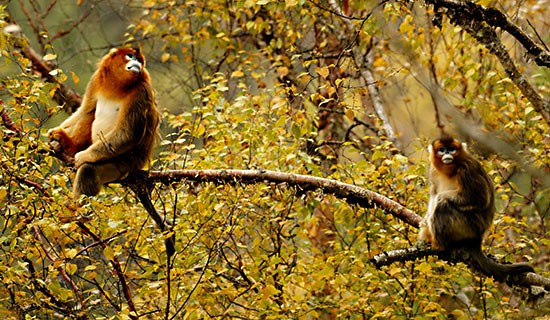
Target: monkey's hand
x: 58, y: 138
x: 82, y: 157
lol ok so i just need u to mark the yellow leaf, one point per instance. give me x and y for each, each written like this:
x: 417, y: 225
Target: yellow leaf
x: 149, y: 4
x: 200, y: 131
x: 423, y: 267
x: 379, y: 62
x: 109, y: 253
x: 282, y: 71
x: 322, y: 71
x: 406, y: 26
x: 71, y: 268
x: 165, y: 57
x: 90, y: 267
x: 290, y: 3
x: 49, y: 57
x: 470, y: 73
x: 57, y: 263
x: 76, y: 79
x: 331, y: 90
x: 350, y: 114
x: 71, y: 253
x: 237, y: 74
x: 269, y: 290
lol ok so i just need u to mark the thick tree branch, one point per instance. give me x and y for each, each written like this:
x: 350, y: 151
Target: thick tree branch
x: 496, y: 19
x: 64, y: 95
x: 352, y: 193
x: 479, y: 23
x: 526, y: 280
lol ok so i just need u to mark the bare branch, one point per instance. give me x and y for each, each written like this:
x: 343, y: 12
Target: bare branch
x: 496, y: 19
x: 364, y: 62
x: 479, y: 23
x: 352, y: 193
x: 526, y: 280
x: 75, y: 24
x: 117, y: 270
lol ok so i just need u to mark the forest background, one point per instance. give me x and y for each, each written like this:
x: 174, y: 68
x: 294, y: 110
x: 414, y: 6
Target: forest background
x: 278, y: 94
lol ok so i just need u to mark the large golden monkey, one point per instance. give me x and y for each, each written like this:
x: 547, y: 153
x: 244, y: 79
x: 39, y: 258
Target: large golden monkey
x: 461, y: 206
x: 114, y: 130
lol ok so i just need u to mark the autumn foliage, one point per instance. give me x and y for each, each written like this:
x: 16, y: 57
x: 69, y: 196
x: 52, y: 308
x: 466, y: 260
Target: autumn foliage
x: 292, y: 154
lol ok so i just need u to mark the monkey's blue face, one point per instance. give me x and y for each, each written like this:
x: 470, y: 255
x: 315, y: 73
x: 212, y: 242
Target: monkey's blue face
x: 446, y: 153
x: 133, y: 65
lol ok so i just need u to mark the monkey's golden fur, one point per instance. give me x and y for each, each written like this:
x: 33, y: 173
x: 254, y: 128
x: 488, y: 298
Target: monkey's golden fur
x: 114, y: 131
x: 461, y: 206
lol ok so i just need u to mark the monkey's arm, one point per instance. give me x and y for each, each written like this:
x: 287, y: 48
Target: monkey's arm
x: 130, y: 129
x: 456, y: 223
x: 74, y: 134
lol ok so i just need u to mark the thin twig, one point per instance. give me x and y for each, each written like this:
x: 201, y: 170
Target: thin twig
x: 118, y: 271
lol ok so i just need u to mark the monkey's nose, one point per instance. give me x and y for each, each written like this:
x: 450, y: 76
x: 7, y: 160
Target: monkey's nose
x: 133, y: 66
x: 447, y: 159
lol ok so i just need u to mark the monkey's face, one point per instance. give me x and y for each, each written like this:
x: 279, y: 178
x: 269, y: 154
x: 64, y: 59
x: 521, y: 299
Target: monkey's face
x: 124, y: 64
x: 444, y: 153
x: 133, y: 64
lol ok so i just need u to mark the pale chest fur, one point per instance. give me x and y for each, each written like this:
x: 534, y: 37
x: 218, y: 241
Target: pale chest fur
x: 106, y: 114
x: 441, y: 187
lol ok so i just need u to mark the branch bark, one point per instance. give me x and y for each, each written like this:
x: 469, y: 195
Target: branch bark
x: 64, y: 95
x: 352, y: 193
x: 526, y: 280
x: 497, y: 19
x: 480, y: 22
x: 126, y: 292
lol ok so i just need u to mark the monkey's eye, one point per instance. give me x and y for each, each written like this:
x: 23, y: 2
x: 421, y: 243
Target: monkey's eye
x: 130, y: 56
x: 446, y: 150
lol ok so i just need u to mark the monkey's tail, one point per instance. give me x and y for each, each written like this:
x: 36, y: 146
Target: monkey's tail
x: 497, y: 270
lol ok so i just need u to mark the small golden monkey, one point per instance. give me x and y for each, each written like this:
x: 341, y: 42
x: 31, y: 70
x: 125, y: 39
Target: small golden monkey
x: 461, y: 206
x: 114, y: 131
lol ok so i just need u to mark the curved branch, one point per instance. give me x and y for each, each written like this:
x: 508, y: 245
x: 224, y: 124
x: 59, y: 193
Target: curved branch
x: 64, y: 95
x: 413, y: 253
x: 497, y: 19
x: 352, y: 193
x: 480, y: 22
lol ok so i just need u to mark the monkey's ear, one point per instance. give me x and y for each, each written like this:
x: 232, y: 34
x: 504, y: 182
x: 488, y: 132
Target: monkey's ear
x: 465, y: 147
x: 431, y: 149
